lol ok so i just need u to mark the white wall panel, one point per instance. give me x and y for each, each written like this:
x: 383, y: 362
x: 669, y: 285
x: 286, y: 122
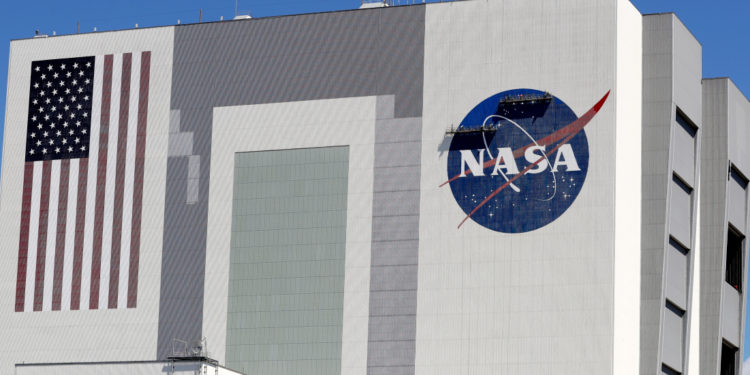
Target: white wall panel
x: 510, y: 300
x: 627, y: 262
x: 93, y: 335
x: 737, y: 204
x: 672, y: 345
x: 316, y: 123
x: 676, y: 278
x: 680, y: 213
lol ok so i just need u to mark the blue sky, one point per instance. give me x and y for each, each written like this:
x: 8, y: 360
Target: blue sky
x: 720, y: 25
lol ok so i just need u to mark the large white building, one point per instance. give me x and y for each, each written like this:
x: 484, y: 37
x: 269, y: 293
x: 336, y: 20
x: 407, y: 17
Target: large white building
x: 469, y: 187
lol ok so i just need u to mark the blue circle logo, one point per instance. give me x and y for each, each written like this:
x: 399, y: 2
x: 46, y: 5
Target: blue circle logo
x: 518, y: 160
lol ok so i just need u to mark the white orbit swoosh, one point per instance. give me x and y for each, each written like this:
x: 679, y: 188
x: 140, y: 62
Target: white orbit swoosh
x: 544, y: 154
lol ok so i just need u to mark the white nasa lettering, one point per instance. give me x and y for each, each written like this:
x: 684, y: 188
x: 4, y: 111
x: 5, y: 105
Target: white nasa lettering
x: 566, y: 157
x: 533, y: 157
x: 468, y: 159
x: 505, y: 160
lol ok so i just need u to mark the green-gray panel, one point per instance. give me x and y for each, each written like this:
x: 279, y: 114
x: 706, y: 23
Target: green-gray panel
x: 286, y: 274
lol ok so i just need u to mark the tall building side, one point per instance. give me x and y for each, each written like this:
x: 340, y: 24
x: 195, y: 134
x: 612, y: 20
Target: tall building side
x: 671, y: 149
x: 724, y: 225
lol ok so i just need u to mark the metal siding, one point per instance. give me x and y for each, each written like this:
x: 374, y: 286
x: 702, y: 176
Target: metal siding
x: 730, y: 314
x: 714, y: 167
x: 492, y: 302
x: 681, y: 214
x: 286, y: 273
x: 657, y: 115
x: 683, y: 144
x: 673, y: 342
x: 676, y: 277
x: 46, y: 337
x: 737, y: 205
x: 286, y: 59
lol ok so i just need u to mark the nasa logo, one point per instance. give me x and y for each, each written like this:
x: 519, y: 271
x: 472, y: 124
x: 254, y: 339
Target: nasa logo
x: 518, y: 160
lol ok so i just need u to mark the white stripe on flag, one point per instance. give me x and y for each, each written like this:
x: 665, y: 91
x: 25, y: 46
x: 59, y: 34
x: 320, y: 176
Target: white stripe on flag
x: 70, y: 233
x: 109, y: 192
x: 49, y: 262
x: 88, y: 239
x: 36, y: 201
x: 127, y: 202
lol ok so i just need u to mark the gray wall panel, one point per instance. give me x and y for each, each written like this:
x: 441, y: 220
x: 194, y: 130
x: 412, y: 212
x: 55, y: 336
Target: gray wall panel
x: 657, y: 112
x: 395, y: 231
x: 730, y: 314
x: 684, y: 150
x: 677, y: 277
x: 673, y: 343
x: 714, y: 165
x: 306, y: 57
x: 672, y: 81
x: 681, y: 214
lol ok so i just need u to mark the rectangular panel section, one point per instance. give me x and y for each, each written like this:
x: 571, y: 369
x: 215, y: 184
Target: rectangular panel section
x: 286, y: 276
x: 673, y: 342
x: 683, y: 143
x: 677, y: 274
x: 731, y: 311
x: 681, y: 212
x: 736, y: 199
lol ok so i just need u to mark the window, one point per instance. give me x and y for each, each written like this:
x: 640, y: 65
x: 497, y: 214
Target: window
x: 728, y: 359
x: 734, y: 259
x: 668, y: 370
x: 685, y: 123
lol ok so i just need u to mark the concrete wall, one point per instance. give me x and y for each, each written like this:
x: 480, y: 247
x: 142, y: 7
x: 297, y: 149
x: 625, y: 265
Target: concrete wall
x: 505, y: 301
x: 671, y: 144
x: 85, y: 335
x: 724, y: 203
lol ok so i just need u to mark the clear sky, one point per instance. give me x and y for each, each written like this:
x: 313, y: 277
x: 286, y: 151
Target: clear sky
x: 720, y: 25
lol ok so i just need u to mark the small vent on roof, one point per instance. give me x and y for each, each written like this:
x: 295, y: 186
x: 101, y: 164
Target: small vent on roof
x: 242, y: 17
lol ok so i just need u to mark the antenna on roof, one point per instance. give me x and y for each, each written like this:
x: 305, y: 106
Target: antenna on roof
x: 237, y: 15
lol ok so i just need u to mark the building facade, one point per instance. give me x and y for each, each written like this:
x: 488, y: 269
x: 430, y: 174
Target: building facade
x: 464, y: 187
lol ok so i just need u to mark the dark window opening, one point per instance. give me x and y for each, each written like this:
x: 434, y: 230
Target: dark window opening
x: 728, y: 359
x: 734, y: 259
x: 668, y: 370
x: 685, y: 123
x: 737, y: 176
x: 678, y: 245
x: 675, y: 309
x: 681, y: 183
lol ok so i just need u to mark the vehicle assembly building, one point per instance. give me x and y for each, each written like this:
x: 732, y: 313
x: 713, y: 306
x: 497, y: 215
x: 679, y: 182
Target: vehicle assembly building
x: 468, y: 187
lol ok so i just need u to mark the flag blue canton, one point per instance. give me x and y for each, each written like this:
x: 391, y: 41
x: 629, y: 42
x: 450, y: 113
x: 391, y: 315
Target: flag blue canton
x: 59, y: 120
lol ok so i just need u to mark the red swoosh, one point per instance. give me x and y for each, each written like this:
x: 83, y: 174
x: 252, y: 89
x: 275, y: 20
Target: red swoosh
x: 572, y: 129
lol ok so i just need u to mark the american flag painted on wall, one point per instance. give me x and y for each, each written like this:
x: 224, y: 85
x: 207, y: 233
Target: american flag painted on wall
x: 83, y: 183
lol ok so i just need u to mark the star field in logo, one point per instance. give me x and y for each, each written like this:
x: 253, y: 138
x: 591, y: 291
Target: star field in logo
x: 518, y: 160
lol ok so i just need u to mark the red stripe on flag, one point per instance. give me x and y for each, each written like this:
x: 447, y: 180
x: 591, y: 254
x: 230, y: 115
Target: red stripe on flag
x: 62, y: 216
x: 140, y: 152
x: 122, y: 144
x: 41, y: 246
x: 101, y: 177
x: 75, y: 295
x: 23, y: 242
